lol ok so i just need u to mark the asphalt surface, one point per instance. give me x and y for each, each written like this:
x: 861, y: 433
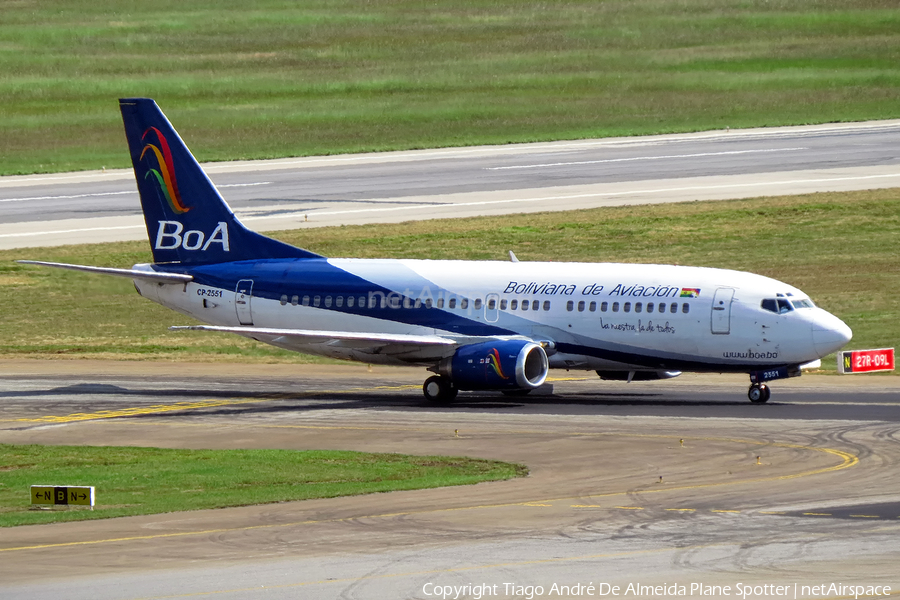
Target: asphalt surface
x: 456, y: 182
x: 799, y: 492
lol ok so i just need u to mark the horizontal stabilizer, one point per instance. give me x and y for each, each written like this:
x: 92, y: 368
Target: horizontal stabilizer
x: 129, y: 273
x: 312, y: 334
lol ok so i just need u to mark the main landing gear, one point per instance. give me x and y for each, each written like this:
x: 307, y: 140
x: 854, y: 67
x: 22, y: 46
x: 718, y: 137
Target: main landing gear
x: 759, y: 393
x: 439, y: 390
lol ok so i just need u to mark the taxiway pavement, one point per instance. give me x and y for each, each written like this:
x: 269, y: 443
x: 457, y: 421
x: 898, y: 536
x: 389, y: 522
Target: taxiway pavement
x: 821, y: 505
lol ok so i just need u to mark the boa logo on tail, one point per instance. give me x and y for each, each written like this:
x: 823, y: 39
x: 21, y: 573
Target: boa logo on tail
x: 165, y: 174
x: 494, y: 359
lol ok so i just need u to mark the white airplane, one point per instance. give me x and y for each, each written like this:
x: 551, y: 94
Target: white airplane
x: 477, y: 325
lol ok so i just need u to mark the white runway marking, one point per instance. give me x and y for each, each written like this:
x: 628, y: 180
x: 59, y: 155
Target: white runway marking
x: 93, y: 195
x: 638, y: 158
x: 36, y: 233
x: 126, y: 192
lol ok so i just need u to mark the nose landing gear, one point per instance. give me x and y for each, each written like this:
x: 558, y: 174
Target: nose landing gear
x: 759, y: 393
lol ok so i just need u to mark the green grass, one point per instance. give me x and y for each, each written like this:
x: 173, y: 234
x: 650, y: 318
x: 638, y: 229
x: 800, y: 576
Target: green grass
x: 284, y: 79
x: 838, y: 247
x: 140, y: 481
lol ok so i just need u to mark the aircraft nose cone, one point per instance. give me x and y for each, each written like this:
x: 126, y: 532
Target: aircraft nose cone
x: 830, y: 334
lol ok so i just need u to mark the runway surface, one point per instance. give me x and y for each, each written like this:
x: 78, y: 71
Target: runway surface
x: 72, y: 208
x: 612, y: 497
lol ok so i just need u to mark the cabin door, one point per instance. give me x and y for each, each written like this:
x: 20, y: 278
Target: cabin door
x: 721, y: 311
x: 243, y: 293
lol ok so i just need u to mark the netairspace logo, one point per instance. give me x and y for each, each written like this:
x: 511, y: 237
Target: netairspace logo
x: 477, y: 591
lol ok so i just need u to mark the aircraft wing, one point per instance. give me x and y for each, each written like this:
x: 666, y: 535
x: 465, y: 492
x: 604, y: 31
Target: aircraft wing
x: 129, y: 273
x: 315, y: 335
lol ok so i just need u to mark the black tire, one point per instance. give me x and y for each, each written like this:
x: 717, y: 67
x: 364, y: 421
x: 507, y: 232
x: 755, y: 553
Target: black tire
x: 759, y: 393
x: 439, y: 390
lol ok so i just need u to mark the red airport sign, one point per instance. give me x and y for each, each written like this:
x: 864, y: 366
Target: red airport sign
x: 866, y: 361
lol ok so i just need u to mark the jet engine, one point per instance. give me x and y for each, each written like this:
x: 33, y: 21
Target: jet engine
x: 501, y: 365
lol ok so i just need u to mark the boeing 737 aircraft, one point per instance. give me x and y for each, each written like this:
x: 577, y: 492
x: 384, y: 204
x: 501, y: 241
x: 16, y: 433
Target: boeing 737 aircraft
x: 477, y: 325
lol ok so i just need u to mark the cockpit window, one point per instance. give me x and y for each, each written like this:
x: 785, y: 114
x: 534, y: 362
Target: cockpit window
x: 777, y: 305
x: 803, y: 303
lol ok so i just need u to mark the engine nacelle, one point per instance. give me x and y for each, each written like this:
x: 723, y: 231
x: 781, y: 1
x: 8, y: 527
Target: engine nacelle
x: 637, y: 375
x: 501, y: 365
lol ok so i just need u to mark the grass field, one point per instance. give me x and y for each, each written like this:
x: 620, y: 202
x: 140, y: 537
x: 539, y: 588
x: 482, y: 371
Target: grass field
x: 140, y: 481
x: 838, y: 247
x: 271, y: 78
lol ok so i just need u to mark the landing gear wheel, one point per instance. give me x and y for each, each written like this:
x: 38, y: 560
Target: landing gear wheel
x: 439, y: 390
x: 759, y: 393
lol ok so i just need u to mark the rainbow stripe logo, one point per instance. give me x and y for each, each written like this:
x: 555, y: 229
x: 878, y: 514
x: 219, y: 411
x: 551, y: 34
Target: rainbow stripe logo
x: 494, y: 360
x: 165, y: 174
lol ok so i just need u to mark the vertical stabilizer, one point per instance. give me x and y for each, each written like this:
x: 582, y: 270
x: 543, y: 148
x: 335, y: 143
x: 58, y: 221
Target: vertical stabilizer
x: 187, y: 219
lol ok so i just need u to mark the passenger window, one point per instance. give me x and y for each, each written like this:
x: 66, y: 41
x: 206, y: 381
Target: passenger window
x: 362, y: 301
x: 339, y: 301
x: 592, y: 307
x: 440, y: 303
x: 513, y: 305
x: 581, y: 306
x: 492, y: 304
x: 685, y: 308
x: 524, y: 304
x: 650, y: 306
x: 464, y: 303
x: 284, y: 300
x: 407, y: 302
x: 294, y: 300
x: 451, y: 303
x: 570, y: 306
x: 615, y: 307
x: 535, y: 304
x: 546, y: 305
x: 673, y: 308
x: 638, y: 306
x: 627, y: 307
x: 350, y: 300
x: 418, y: 303
x: 503, y: 304
x: 604, y: 306
x: 428, y: 302
x: 478, y: 303
x: 305, y: 301
x: 662, y: 307
x: 317, y: 300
